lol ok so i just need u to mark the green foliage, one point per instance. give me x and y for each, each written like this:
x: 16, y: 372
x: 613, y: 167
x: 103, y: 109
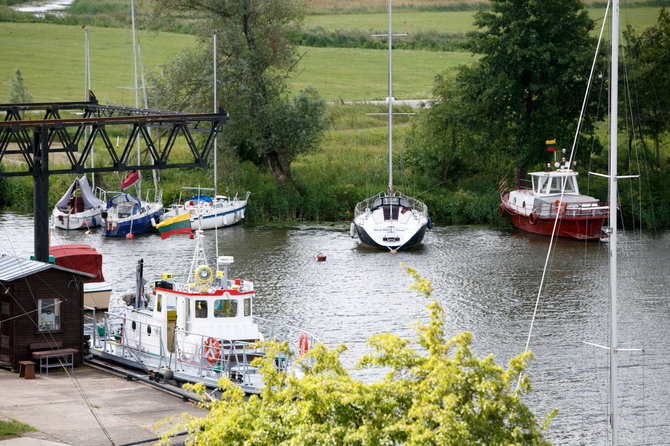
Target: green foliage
x: 651, y: 54
x: 13, y: 428
x: 18, y: 93
x: 530, y: 80
x: 436, y: 392
x: 266, y: 127
x: 421, y: 40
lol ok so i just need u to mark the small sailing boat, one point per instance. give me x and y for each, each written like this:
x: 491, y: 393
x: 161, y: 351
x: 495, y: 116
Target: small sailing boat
x: 78, y: 208
x: 390, y: 219
x: 209, y: 212
x: 127, y: 215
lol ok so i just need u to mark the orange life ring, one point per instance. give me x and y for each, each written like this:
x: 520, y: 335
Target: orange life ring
x: 559, y: 207
x: 212, y: 350
x: 532, y: 218
x: 303, y: 344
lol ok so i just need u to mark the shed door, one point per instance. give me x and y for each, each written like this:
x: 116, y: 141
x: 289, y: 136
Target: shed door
x: 5, y: 328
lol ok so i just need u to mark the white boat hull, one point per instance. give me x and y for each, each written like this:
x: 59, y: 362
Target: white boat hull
x: 90, y: 218
x: 217, y: 214
x: 391, y: 222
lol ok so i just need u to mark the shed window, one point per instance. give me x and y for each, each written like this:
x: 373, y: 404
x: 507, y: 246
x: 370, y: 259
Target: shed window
x: 225, y: 308
x: 48, y: 314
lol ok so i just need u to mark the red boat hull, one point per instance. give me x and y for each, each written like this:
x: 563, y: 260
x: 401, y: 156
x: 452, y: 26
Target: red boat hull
x: 580, y: 228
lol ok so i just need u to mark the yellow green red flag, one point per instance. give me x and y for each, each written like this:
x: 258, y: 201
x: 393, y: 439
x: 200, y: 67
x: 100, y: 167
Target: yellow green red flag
x: 179, y: 224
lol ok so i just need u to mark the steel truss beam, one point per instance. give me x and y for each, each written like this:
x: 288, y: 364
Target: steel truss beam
x: 66, y: 135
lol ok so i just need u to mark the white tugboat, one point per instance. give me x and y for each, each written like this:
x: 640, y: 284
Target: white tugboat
x: 198, y: 331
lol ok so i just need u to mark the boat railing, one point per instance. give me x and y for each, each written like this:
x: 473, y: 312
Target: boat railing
x: 367, y: 204
x: 572, y: 210
x: 157, y: 195
x: 299, y: 340
x: 211, y: 355
x: 141, y: 340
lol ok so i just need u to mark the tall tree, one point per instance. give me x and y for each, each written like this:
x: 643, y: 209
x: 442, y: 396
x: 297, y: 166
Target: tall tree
x: 651, y: 53
x: 254, y: 59
x: 530, y: 81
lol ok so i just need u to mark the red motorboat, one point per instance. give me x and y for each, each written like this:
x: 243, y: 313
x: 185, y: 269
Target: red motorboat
x: 552, y: 194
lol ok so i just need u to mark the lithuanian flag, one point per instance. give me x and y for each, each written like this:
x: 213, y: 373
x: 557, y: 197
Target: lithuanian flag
x: 179, y: 224
x: 551, y: 145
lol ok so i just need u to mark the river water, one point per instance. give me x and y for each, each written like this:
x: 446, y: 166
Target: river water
x: 486, y: 279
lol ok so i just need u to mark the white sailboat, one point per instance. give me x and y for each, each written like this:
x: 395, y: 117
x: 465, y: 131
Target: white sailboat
x: 390, y: 219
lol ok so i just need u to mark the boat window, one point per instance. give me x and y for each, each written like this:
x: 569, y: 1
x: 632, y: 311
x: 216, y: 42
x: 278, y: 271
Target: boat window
x: 171, y: 302
x: 48, y: 314
x: 200, y: 308
x: 225, y: 308
x: 247, y: 306
x: 159, y: 307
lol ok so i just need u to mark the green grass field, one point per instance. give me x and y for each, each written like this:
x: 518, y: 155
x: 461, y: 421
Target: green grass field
x: 51, y: 60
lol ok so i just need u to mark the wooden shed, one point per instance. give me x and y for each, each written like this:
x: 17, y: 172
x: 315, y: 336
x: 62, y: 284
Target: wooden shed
x: 40, y: 303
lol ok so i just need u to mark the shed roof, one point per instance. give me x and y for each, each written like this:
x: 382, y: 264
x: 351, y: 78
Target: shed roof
x: 12, y: 268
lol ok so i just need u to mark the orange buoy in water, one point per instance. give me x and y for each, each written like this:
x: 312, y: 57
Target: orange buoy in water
x: 321, y: 258
x: 129, y: 235
x: 191, y: 237
x: 88, y: 232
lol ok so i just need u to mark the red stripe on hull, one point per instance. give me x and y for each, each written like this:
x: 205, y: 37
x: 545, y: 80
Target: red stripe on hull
x: 580, y: 228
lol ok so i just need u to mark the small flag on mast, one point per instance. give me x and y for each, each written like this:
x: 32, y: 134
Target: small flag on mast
x: 551, y: 145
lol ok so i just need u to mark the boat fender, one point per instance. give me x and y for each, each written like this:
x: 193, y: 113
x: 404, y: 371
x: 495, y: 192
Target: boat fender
x: 352, y: 230
x: 559, y: 207
x: 167, y: 374
x: 430, y: 223
x: 532, y: 218
x: 303, y: 344
x: 212, y: 350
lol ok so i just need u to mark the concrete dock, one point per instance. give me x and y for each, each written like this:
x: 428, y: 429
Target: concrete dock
x: 91, y: 407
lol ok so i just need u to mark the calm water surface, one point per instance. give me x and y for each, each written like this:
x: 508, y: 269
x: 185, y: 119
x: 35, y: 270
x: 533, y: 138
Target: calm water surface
x: 487, y: 281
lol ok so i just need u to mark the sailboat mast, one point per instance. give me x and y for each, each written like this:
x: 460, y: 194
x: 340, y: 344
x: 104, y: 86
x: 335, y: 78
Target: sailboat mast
x: 390, y: 103
x: 613, y: 221
x: 215, y: 110
x: 137, y: 101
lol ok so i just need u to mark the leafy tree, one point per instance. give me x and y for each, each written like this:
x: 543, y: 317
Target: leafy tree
x: 530, y: 81
x: 651, y: 53
x: 18, y: 93
x: 436, y: 392
x: 254, y: 59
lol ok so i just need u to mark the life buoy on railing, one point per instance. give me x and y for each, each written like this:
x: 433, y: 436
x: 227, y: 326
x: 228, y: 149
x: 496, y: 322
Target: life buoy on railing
x: 303, y: 344
x: 559, y: 207
x: 212, y: 350
x: 532, y: 218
